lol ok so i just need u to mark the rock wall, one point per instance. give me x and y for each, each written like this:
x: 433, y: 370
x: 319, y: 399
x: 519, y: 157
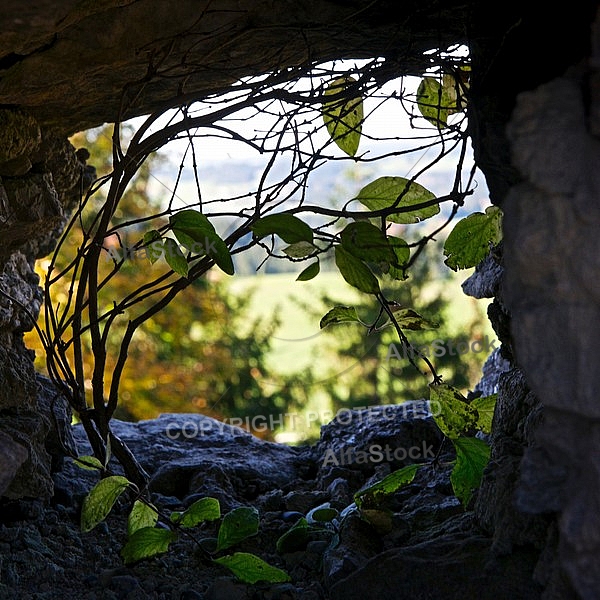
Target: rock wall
x: 552, y: 288
x: 40, y: 176
x: 68, y: 63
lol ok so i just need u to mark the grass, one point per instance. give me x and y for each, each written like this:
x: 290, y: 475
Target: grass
x: 298, y: 336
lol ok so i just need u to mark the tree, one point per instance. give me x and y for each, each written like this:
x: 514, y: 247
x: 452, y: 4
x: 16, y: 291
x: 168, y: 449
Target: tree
x: 310, y: 117
x: 505, y: 63
x: 205, y: 353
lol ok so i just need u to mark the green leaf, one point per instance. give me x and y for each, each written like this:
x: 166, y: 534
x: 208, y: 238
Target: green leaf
x: 88, y: 463
x: 485, y: 407
x: 472, y: 456
x: 300, y: 250
x: 402, y: 253
x: 295, y: 538
x: 198, y: 235
x: 373, y: 495
x: 310, y: 272
x: 147, y: 542
x: 355, y: 272
x: 99, y: 502
x: 343, y: 117
x: 237, y: 525
x: 153, y: 245
x: 437, y: 100
x: 174, y: 257
x: 380, y: 520
x: 205, y: 509
x: 288, y: 227
x: 452, y: 414
x: 339, y: 314
x: 322, y: 514
x: 400, y: 193
x: 217, y: 249
x: 469, y: 242
x: 251, y: 569
x: 408, y: 318
x: 192, y: 222
x: 367, y: 242
x: 141, y: 516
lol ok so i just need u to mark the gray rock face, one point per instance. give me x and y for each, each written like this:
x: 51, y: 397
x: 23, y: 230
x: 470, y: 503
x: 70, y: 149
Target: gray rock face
x: 553, y: 292
x: 75, y: 65
x: 395, y: 434
x: 12, y: 456
x: 34, y: 202
x: 187, y: 454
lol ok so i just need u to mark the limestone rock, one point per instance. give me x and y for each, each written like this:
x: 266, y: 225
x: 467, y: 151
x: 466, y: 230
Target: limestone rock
x: 12, y: 456
x: 452, y: 567
x: 19, y: 135
x: 363, y: 438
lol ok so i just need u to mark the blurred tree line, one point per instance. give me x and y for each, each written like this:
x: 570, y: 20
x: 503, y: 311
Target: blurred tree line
x: 207, y: 353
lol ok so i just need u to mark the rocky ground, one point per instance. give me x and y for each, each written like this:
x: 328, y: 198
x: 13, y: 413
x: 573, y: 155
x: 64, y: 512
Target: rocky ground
x: 428, y: 548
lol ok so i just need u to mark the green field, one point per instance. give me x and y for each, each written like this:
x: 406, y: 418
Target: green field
x: 299, y: 333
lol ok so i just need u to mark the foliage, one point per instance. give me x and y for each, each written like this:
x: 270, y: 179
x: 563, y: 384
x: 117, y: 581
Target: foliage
x: 151, y: 532
x: 374, y: 367
x: 313, y: 113
x: 205, y: 353
x: 458, y: 420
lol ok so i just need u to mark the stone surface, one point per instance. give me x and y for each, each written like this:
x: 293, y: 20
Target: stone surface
x: 12, y: 456
x: 552, y: 256
x: 75, y: 65
x: 34, y: 206
x: 452, y: 567
x: 362, y: 439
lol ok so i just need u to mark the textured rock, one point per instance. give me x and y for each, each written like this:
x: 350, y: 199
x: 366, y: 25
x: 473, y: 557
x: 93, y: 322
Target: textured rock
x: 12, y: 456
x: 552, y: 257
x: 19, y: 135
x: 189, y: 454
x: 395, y: 434
x: 452, y: 567
x: 75, y: 65
x: 34, y: 206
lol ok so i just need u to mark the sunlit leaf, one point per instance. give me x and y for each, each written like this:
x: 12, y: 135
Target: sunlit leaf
x: 251, y: 569
x: 374, y: 494
x: 400, y: 193
x: 198, y: 235
x: 100, y: 500
x: 205, y: 509
x: 437, y: 100
x: 472, y: 456
x: 367, y: 242
x: 355, y: 272
x: 339, y: 314
x: 88, y: 463
x: 299, y: 250
x: 485, y: 406
x: 288, y: 227
x: 343, y: 117
x: 402, y: 253
x: 295, y: 538
x: 237, y: 525
x: 310, y: 272
x: 147, y: 542
x: 153, y: 245
x: 469, y: 242
x: 321, y: 514
x: 452, y: 414
x: 408, y: 318
x: 174, y: 257
x: 141, y: 515
x: 191, y: 220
